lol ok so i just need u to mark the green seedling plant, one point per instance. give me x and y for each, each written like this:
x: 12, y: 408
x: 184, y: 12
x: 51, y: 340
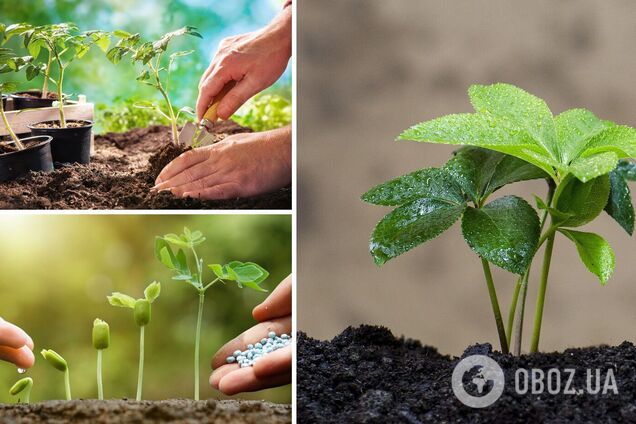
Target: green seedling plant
x: 59, y: 363
x: 245, y: 274
x: 101, y: 341
x: 63, y: 44
x: 142, y: 309
x: 22, y: 387
x: 156, y: 70
x: 513, y: 136
x: 10, y: 62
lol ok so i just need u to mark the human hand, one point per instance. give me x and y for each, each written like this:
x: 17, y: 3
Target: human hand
x: 15, y: 345
x: 241, y: 165
x: 254, y: 61
x: 271, y: 370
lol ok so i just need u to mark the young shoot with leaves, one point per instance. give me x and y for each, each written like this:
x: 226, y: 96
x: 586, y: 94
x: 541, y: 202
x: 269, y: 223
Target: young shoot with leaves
x: 511, y: 137
x: 156, y: 68
x: 142, y: 309
x: 245, y: 274
x: 60, y: 364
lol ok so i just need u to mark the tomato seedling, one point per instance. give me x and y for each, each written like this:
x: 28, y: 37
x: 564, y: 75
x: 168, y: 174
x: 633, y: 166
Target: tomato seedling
x: 59, y: 363
x: 156, y: 68
x: 513, y: 136
x: 245, y: 274
x: 142, y: 309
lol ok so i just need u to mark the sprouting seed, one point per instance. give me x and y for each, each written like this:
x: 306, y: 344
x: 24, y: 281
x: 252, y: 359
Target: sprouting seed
x: 59, y: 363
x: 24, y: 386
x: 101, y: 341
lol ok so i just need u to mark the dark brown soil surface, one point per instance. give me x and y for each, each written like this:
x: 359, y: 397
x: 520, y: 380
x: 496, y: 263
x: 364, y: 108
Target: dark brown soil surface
x: 9, y: 148
x: 366, y: 375
x: 166, y: 411
x: 56, y: 124
x: 120, y: 175
x: 36, y: 94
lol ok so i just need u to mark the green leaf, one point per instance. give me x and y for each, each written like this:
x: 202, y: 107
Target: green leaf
x: 182, y: 262
x: 524, y: 110
x: 218, y: 270
x: 152, y: 292
x: 627, y: 169
x: 103, y: 42
x: 575, y: 127
x: 121, y: 300
x: 587, y: 168
x: 583, y: 201
x: 250, y: 273
x: 504, y: 232
x: 594, y: 251
x: 121, y: 33
x: 619, y: 139
x: 480, y: 172
x: 411, y: 225
x: 431, y: 182
x: 619, y: 206
x: 164, y: 253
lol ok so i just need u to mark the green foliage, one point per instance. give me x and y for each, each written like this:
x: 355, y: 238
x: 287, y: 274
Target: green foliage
x: 24, y: 386
x: 595, y: 253
x: 265, y: 112
x: 124, y: 115
x: 619, y: 205
x: 513, y: 121
x: 10, y: 62
x: 579, y: 203
x: 55, y: 359
x: 141, y: 306
x: 101, y: 334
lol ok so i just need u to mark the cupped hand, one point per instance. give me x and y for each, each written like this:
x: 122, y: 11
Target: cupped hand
x: 271, y: 370
x: 241, y: 165
x: 254, y: 61
x: 15, y: 345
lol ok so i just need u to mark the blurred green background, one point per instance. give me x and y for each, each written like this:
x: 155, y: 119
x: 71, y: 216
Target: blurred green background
x: 58, y: 270
x: 110, y: 86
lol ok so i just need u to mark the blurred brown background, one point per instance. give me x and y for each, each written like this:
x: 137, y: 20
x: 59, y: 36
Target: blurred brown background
x: 369, y: 69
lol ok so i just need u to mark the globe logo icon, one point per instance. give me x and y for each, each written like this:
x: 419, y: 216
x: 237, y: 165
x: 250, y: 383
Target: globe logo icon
x: 478, y: 381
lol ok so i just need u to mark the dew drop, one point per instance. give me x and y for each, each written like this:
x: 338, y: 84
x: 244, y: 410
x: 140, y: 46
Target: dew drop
x: 21, y: 370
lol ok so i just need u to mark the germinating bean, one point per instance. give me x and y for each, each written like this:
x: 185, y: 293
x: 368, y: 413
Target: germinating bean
x: 256, y: 351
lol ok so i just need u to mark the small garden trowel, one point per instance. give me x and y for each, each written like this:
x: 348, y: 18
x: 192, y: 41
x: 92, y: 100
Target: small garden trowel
x: 201, y: 134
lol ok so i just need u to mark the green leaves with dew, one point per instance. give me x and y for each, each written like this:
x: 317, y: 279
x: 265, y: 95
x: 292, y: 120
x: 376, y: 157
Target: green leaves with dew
x: 620, y: 206
x: 582, y: 202
x: 595, y: 253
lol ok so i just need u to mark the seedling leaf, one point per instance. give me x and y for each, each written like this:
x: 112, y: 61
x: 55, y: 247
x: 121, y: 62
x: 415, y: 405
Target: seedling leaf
x: 152, y: 292
x: 595, y: 252
x: 575, y: 127
x: 619, y: 206
x: 583, y: 201
x: 121, y: 300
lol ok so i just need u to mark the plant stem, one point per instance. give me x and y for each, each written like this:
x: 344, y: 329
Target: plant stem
x: 520, y: 314
x: 27, y: 395
x: 45, y: 86
x: 140, y: 378
x: 172, y: 117
x: 197, y: 343
x: 495, y: 305
x: 14, y: 137
x: 100, y: 384
x: 67, y: 383
x: 60, y: 101
x: 511, y: 311
x: 547, y: 257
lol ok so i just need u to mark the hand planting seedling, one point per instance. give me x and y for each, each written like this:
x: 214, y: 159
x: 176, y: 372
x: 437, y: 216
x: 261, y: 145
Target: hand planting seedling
x: 157, y: 69
x: 101, y: 341
x: 142, y: 314
x: 245, y: 274
x: 22, y: 386
x: 256, y: 351
x: 513, y: 137
x: 59, y: 363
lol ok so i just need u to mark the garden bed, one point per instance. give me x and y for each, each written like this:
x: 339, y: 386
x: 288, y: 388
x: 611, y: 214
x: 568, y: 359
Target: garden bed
x: 367, y: 375
x: 120, y: 175
x: 165, y: 411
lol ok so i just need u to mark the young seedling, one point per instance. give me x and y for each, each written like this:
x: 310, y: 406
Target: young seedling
x: 513, y: 136
x: 59, y: 363
x: 64, y: 44
x: 156, y: 68
x: 101, y: 341
x: 142, y: 314
x: 245, y: 274
x: 10, y: 62
x: 22, y: 386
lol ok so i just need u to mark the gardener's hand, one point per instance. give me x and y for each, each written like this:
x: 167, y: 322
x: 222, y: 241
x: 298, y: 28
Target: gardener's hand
x: 254, y: 61
x: 241, y: 165
x: 272, y: 369
x: 15, y: 345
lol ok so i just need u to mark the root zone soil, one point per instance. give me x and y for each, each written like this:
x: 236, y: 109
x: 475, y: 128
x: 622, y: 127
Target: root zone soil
x: 166, y: 411
x: 366, y: 375
x: 120, y: 175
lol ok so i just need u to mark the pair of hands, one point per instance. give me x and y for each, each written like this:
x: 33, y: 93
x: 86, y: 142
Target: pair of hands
x: 15, y: 345
x: 273, y: 369
x: 242, y: 165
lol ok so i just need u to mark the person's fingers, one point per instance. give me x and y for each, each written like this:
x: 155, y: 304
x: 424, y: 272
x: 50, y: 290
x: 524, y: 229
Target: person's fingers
x: 197, y: 172
x: 221, y: 372
x: 218, y: 192
x: 13, y: 336
x: 212, y: 85
x: 276, y: 362
x: 245, y: 380
x: 22, y: 357
x: 278, y: 304
x: 234, y: 99
x: 184, y: 161
x: 251, y: 336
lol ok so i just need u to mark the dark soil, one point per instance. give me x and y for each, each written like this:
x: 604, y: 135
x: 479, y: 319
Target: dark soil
x: 36, y: 94
x: 366, y: 375
x: 9, y: 148
x: 166, y: 411
x: 56, y: 124
x: 120, y: 175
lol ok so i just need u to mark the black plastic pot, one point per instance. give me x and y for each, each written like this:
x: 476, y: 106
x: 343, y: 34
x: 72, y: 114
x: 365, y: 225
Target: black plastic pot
x: 36, y: 157
x: 69, y: 145
x: 25, y: 102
